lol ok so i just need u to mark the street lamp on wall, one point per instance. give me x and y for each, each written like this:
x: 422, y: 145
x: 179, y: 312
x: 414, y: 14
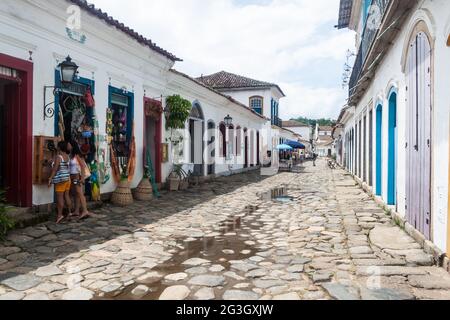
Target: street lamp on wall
x: 68, y: 71
x: 228, y: 121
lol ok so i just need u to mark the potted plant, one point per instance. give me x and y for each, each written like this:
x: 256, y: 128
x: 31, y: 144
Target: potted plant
x: 176, y: 177
x: 122, y: 196
x: 179, y: 110
x: 6, y: 223
x: 184, y: 183
x: 144, y: 191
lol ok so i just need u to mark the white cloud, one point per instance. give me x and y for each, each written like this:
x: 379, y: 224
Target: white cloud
x: 270, y: 41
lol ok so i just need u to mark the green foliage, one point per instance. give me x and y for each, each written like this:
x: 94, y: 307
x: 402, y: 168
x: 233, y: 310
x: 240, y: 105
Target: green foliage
x: 313, y: 122
x: 6, y: 223
x: 179, y: 172
x: 180, y: 110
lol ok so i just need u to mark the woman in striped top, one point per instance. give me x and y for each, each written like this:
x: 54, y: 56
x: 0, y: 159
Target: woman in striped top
x: 60, y: 177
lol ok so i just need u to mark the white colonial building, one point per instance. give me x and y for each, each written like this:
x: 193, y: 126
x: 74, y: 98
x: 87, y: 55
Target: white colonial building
x: 130, y: 78
x: 304, y: 130
x: 261, y: 97
x: 396, y: 123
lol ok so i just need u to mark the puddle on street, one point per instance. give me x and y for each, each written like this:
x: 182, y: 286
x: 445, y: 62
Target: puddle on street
x: 277, y: 195
x: 232, y: 238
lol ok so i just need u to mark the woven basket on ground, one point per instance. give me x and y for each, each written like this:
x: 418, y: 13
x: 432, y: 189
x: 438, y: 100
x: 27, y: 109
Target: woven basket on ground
x: 122, y: 196
x: 144, y: 191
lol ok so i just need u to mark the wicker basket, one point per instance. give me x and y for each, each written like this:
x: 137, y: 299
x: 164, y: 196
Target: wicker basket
x: 122, y: 197
x: 144, y: 191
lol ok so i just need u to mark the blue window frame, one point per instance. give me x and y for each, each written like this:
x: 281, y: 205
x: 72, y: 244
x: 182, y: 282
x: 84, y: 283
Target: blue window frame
x: 365, y: 10
x: 75, y: 89
x: 256, y: 104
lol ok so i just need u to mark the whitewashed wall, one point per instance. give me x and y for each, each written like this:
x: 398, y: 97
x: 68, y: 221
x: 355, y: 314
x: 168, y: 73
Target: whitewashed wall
x: 109, y: 57
x: 436, y: 15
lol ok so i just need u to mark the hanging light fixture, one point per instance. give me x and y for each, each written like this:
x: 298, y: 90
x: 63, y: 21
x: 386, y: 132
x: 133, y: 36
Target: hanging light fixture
x: 69, y: 70
x: 228, y: 121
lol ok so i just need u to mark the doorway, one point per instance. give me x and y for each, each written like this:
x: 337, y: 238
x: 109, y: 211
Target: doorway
x: 419, y: 136
x: 379, y: 151
x: 153, y: 136
x: 392, y: 153
x: 211, y: 148
x: 196, y: 130
x: 246, y: 148
x: 258, y: 149
x: 16, y: 92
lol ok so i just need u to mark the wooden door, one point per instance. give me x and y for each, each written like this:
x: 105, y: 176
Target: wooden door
x: 419, y: 140
x: 246, y: 149
x: 379, y: 151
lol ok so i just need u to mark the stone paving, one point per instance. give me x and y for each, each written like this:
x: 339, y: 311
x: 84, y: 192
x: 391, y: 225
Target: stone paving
x: 324, y: 239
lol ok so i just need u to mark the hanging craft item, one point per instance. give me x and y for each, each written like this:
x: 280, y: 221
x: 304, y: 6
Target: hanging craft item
x: 104, y: 166
x: 78, y: 117
x: 95, y: 192
x: 109, y: 125
x: 61, y: 125
x: 114, y: 165
x: 132, y: 159
x: 153, y: 109
x: 88, y: 98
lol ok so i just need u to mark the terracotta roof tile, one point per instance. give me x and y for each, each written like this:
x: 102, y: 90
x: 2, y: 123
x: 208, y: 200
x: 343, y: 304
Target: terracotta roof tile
x: 226, y: 80
x: 219, y: 93
x: 120, y: 26
x: 294, y: 124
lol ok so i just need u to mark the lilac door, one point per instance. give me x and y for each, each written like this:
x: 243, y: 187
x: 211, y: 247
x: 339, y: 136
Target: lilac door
x: 418, y: 142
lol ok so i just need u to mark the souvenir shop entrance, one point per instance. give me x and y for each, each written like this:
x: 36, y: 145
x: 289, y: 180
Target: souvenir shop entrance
x: 76, y: 122
x: 16, y: 130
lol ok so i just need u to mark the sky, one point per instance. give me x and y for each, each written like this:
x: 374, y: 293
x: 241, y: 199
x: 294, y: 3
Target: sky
x: 292, y: 43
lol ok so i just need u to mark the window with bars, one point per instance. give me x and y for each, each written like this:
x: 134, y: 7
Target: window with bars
x: 257, y: 104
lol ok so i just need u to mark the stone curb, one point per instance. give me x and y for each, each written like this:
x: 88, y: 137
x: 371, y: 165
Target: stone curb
x: 440, y: 258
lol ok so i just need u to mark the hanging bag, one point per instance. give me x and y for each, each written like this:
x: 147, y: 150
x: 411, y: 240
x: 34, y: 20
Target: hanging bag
x: 89, y: 99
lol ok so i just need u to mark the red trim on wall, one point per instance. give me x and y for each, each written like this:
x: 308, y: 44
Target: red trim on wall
x: 158, y: 142
x: 21, y: 146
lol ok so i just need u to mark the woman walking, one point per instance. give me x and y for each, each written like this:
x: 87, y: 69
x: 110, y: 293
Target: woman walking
x: 60, y: 178
x: 77, y: 175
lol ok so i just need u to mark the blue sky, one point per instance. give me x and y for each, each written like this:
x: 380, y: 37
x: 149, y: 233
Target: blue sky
x: 290, y: 42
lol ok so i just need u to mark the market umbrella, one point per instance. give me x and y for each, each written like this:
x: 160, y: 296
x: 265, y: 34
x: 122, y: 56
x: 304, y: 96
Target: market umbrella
x: 296, y: 145
x: 284, y: 147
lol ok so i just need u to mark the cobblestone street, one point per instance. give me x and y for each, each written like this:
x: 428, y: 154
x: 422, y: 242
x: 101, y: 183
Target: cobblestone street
x: 324, y: 239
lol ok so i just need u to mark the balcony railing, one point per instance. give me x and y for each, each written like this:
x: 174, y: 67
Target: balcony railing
x: 369, y: 34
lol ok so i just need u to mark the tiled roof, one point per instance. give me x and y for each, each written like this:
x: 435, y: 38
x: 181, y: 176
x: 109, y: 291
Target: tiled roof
x: 219, y: 93
x: 225, y: 80
x: 325, y: 128
x: 345, y: 12
x: 294, y: 124
x: 120, y: 26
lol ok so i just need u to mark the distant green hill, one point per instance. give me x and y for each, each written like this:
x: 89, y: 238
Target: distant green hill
x: 313, y: 122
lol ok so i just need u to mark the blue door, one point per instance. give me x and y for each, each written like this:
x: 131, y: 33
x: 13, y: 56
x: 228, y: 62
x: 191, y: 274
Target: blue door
x: 379, y: 150
x: 392, y: 154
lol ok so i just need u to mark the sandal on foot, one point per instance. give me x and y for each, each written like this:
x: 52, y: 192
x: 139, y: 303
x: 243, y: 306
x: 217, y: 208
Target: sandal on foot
x: 60, y: 220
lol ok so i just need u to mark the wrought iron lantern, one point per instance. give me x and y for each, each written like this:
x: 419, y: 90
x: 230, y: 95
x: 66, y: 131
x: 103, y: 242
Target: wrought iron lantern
x: 68, y: 70
x: 228, y: 121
